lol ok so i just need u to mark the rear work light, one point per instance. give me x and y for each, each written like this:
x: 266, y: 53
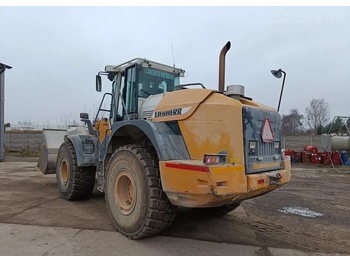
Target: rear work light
x: 252, y: 147
x: 214, y: 159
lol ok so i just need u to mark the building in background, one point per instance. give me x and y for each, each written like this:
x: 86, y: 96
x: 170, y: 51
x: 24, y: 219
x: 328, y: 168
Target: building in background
x: 3, y: 68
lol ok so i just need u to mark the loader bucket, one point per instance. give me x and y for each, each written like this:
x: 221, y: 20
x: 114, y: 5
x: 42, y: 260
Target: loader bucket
x: 52, y: 140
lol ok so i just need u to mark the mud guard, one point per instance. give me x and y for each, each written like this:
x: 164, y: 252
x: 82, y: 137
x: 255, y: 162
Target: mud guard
x: 86, y: 148
x: 168, y: 144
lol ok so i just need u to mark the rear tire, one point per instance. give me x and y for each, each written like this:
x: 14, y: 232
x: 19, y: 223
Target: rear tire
x: 134, y: 196
x: 73, y: 182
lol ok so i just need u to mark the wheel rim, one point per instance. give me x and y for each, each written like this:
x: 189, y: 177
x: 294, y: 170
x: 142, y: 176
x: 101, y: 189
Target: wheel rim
x: 64, y: 172
x: 125, y: 192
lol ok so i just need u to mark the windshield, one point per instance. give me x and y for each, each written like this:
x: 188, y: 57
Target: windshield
x: 154, y: 81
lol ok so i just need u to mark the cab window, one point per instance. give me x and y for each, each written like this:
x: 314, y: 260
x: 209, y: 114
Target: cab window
x: 153, y: 82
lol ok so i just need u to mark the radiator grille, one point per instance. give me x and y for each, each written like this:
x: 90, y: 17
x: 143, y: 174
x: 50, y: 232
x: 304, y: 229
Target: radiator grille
x: 147, y: 114
x: 265, y: 157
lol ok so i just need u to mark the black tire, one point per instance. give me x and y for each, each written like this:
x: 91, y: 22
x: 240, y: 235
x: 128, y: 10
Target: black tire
x: 73, y: 182
x: 134, y: 196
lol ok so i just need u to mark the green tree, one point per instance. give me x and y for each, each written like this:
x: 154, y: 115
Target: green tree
x: 339, y: 125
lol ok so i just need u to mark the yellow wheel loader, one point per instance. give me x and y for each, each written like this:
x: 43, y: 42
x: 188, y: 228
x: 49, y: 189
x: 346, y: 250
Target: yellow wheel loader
x: 166, y: 145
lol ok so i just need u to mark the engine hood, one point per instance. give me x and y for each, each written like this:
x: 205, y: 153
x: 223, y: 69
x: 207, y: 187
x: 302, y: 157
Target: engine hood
x: 179, y: 105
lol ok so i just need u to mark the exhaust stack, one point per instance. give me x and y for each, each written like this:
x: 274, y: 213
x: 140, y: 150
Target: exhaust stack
x: 222, y: 66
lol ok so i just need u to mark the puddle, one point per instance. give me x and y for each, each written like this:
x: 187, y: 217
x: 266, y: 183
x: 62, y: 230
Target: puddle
x: 300, y: 211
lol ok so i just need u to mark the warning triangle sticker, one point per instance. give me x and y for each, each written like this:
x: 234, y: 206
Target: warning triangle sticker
x: 266, y: 131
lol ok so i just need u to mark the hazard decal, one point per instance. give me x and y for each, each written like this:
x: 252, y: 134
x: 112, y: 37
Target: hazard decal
x: 266, y: 131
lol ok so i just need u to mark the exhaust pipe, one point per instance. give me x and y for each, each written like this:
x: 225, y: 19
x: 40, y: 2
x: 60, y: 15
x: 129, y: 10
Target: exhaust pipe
x: 222, y: 66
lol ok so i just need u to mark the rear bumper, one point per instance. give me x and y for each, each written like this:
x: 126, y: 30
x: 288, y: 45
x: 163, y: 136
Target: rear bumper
x: 193, y: 184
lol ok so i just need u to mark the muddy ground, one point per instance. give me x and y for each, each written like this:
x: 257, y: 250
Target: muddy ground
x: 323, y: 190
x: 311, y: 214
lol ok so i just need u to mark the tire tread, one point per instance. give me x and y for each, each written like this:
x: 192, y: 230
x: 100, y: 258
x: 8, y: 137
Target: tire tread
x: 83, y: 178
x: 161, y: 213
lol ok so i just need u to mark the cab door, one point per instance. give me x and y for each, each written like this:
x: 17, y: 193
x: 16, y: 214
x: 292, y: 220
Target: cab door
x: 129, y: 93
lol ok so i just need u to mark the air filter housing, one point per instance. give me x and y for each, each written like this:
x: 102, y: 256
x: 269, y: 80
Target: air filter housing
x: 235, y: 91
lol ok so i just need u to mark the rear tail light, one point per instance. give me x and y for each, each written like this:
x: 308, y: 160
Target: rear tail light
x: 261, y: 181
x: 214, y: 159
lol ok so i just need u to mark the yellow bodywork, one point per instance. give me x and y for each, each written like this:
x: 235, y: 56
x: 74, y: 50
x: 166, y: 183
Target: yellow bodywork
x: 102, y: 126
x: 193, y: 184
x: 187, y: 100
x: 211, y: 123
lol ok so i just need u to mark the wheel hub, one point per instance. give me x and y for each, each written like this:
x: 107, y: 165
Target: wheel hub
x: 125, y: 192
x: 64, y: 172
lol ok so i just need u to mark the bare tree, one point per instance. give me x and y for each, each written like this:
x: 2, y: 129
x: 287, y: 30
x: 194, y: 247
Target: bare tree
x: 68, y: 120
x: 46, y: 123
x: 26, y: 124
x: 317, y: 115
x: 292, y: 123
x: 93, y: 111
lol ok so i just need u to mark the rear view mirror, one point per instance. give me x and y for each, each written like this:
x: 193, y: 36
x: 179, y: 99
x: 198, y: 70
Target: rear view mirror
x: 98, y: 83
x: 84, y: 116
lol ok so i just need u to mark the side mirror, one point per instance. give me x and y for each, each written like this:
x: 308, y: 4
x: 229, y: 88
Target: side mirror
x: 98, y: 83
x: 84, y: 116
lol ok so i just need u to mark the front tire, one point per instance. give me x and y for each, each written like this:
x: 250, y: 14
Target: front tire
x: 73, y: 182
x: 134, y: 196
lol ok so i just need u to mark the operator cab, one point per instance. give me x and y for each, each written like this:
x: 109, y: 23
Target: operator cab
x: 133, y: 83
x: 153, y: 82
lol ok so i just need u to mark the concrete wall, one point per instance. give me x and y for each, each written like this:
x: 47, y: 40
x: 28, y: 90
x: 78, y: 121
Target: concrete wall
x: 29, y: 141
x: 23, y: 140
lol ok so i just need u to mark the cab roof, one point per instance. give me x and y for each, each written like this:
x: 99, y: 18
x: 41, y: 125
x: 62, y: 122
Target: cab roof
x: 145, y: 63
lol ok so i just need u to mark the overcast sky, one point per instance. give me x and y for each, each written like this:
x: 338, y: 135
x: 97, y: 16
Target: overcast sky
x: 56, y: 52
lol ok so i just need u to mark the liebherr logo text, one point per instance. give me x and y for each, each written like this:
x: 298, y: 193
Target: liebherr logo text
x: 173, y: 112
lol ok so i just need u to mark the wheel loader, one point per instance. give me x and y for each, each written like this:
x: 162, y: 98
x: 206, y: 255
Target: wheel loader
x: 165, y: 145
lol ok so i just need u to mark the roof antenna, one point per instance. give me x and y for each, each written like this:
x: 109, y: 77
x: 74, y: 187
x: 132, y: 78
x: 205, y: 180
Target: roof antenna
x: 172, y: 52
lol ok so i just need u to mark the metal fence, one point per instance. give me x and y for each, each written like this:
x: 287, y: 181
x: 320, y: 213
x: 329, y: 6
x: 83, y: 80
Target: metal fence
x: 299, y: 142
